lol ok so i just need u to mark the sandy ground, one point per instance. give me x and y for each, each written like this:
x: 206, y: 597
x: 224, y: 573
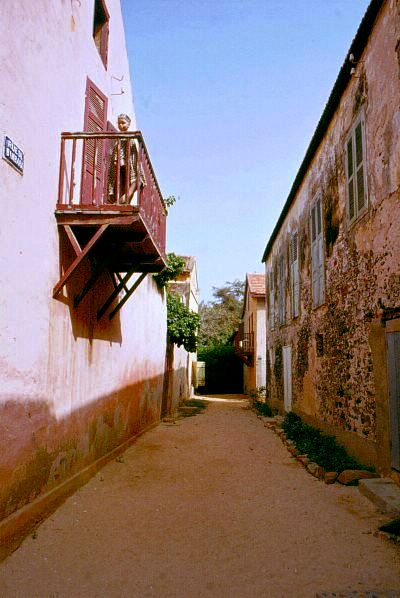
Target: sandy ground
x: 210, y: 506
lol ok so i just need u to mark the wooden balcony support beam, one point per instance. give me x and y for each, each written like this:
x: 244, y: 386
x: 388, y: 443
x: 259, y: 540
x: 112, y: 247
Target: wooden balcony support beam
x: 127, y: 295
x: 115, y: 292
x: 72, y: 239
x: 97, y: 272
x: 80, y: 256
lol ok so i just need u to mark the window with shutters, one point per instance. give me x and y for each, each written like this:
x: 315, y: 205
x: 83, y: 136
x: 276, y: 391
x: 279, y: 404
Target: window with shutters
x: 317, y: 253
x: 356, y: 181
x: 271, y: 299
x: 95, y: 120
x: 101, y: 20
x: 294, y: 275
x: 281, y: 290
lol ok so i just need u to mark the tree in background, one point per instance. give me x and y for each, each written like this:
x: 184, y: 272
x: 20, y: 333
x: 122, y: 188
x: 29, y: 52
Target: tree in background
x: 221, y: 317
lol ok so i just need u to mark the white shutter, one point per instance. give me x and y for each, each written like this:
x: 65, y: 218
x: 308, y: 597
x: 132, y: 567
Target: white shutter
x: 282, y: 289
x: 317, y: 253
x: 314, y: 255
x: 294, y: 274
x: 356, y: 171
x: 320, y: 243
x: 271, y: 300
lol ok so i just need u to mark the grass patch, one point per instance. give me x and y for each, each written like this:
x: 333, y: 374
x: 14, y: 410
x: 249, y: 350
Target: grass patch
x: 261, y: 408
x: 320, y: 448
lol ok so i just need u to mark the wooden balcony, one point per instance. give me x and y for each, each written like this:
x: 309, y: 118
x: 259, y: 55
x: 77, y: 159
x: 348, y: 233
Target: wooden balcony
x: 244, y: 345
x: 111, y: 209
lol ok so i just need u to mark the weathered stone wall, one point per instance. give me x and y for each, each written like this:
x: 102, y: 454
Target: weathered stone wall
x: 335, y: 380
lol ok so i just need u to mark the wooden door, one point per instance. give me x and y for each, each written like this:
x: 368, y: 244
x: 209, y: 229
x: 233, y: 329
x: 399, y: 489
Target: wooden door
x: 287, y: 377
x: 94, y: 150
x: 393, y: 359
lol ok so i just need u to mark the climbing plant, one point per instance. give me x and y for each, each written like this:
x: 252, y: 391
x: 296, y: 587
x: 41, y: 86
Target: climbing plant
x: 175, y: 266
x: 182, y: 324
x: 169, y: 201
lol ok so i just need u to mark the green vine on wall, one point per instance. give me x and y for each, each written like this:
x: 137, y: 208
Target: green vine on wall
x: 182, y: 324
x: 175, y: 267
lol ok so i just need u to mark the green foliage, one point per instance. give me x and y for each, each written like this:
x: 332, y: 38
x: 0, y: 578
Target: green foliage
x: 256, y: 393
x: 221, y: 317
x: 320, y: 448
x: 169, y: 201
x: 213, y: 354
x: 182, y: 324
x: 261, y: 408
x: 175, y: 267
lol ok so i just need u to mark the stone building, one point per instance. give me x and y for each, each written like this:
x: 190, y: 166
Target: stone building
x: 81, y: 366
x: 333, y: 259
x: 250, y: 342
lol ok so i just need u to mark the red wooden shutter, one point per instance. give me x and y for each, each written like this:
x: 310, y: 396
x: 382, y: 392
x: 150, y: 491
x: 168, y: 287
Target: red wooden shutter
x: 93, y: 162
x: 104, y: 43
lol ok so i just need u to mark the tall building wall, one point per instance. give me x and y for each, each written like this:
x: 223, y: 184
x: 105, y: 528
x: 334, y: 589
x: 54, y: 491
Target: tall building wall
x: 72, y: 388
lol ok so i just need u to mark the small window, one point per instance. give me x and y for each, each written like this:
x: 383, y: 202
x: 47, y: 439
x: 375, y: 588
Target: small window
x: 101, y: 29
x: 294, y: 274
x: 317, y: 253
x: 356, y: 182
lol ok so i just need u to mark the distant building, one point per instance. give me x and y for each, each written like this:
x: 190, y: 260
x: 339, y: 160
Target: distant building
x: 81, y: 367
x: 180, y: 364
x: 333, y: 260
x: 250, y: 340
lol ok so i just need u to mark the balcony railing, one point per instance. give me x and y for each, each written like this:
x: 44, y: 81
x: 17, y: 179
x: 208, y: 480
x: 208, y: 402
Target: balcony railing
x: 111, y: 172
x: 245, y: 343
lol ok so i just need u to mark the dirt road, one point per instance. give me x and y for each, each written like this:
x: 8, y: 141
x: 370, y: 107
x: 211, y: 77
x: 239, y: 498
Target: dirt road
x: 211, y: 506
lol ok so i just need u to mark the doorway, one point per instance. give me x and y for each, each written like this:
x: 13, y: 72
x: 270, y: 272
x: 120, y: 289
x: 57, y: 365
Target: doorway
x: 393, y: 365
x: 287, y: 377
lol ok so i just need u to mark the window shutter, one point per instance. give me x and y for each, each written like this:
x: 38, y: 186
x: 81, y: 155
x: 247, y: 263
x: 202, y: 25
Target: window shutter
x: 317, y: 253
x: 271, y: 300
x: 320, y: 243
x: 282, y: 290
x: 360, y: 167
x: 95, y: 120
x: 314, y: 256
x: 104, y: 43
x: 294, y: 274
x: 355, y: 172
x: 350, y: 178
x: 320, y: 284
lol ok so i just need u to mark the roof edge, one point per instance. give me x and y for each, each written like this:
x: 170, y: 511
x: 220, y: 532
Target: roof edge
x: 357, y: 47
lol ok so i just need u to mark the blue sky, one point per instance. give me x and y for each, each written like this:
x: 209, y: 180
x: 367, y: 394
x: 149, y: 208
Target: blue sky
x: 228, y: 94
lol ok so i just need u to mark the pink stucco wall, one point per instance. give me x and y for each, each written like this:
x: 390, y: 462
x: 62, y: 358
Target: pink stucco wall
x: 71, y: 388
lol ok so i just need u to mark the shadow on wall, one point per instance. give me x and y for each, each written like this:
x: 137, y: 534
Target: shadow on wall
x: 39, y: 451
x: 176, y: 383
x: 84, y: 317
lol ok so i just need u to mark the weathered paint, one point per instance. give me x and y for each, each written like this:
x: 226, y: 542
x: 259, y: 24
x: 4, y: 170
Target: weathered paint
x: 72, y: 388
x: 338, y: 349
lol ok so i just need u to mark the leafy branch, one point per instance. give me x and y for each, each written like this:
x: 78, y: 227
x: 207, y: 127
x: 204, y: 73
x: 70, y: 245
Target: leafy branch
x: 182, y: 324
x: 175, y: 267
